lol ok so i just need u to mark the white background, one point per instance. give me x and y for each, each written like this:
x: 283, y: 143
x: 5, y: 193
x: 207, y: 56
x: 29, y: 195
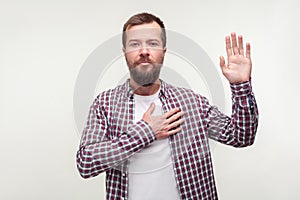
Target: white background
x: 43, y: 45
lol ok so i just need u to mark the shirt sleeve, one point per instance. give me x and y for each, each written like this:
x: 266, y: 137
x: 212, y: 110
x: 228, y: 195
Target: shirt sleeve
x: 239, y: 130
x: 97, y: 153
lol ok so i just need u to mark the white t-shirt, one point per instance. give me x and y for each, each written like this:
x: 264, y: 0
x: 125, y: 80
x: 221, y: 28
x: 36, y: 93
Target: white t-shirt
x: 151, y: 174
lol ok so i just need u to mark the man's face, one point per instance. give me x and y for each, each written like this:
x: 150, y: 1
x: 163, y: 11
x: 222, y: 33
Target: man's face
x: 144, y: 52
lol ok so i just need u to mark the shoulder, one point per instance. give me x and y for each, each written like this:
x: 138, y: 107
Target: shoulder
x: 110, y: 96
x: 178, y: 91
x: 184, y: 94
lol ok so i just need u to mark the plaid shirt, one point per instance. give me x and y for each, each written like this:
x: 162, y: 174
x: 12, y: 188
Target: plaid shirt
x: 110, y: 137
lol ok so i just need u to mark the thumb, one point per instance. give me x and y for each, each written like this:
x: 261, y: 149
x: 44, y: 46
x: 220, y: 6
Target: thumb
x: 147, y: 114
x: 150, y: 109
x: 222, y: 62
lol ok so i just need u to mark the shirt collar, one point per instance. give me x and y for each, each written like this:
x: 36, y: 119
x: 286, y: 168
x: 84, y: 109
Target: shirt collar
x: 164, y: 90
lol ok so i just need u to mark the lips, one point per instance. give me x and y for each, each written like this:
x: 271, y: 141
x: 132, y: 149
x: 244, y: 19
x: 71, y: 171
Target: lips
x: 144, y: 62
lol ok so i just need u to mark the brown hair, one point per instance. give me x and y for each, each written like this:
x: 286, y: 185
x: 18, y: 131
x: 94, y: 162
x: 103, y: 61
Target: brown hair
x: 144, y: 18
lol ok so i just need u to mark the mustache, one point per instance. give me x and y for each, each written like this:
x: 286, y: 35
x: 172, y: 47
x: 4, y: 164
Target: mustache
x: 142, y: 60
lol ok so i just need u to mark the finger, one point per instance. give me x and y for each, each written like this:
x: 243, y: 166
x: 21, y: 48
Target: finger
x: 173, y: 131
x: 171, y: 112
x: 222, y: 62
x: 228, y: 46
x: 248, y: 50
x: 174, y: 117
x: 174, y: 124
x: 165, y: 134
x: 241, y: 48
x: 234, y: 44
x: 223, y: 65
x: 150, y: 109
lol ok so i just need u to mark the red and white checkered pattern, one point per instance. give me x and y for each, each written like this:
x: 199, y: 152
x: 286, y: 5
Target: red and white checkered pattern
x: 110, y: 137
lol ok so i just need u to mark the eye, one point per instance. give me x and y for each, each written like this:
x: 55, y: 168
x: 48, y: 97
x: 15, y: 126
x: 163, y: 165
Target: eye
x: 134, y: 44
x: 153, y: 43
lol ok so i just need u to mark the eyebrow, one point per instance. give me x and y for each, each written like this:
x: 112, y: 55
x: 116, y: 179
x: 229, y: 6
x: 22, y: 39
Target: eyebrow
x: 133, y: 40
x: 138, y: 40
x: 154, y: 40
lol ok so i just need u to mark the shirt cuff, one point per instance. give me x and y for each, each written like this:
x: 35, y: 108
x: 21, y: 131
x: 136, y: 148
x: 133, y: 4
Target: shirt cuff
x: 145, y: 132
x: 241, y: 89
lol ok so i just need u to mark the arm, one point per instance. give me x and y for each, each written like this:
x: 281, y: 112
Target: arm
x: 240, y: 129
x: 98, y: 153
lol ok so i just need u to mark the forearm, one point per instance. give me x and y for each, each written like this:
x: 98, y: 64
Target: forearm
x: 100, y: 151
x: 95, y: 158
x: 239, y: 130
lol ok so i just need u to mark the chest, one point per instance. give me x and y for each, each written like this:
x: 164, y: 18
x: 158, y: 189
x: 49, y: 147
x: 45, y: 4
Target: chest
x: 123, y: 113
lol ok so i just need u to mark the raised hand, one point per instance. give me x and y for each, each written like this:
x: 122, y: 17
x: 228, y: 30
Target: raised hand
x: 164, y: 125
x: 238, y: 68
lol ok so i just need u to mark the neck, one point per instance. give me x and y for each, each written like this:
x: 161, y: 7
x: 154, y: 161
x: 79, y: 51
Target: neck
x: 145, y: 90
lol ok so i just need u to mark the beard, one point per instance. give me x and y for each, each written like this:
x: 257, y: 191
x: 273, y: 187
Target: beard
x: 144, y: 75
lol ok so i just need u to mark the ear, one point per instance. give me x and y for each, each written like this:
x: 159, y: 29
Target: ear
x: 124, y: 50
x: 165, y: 50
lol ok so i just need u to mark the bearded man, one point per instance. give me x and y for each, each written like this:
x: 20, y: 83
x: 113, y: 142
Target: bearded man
x: 151, y: 138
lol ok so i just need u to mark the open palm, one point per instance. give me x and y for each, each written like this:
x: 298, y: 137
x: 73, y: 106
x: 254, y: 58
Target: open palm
x: 238, y: 68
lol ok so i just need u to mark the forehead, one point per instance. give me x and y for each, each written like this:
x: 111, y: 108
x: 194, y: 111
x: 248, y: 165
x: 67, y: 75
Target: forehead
x: 144, y: 31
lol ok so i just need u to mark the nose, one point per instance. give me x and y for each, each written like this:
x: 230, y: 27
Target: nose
x: 144, y: 51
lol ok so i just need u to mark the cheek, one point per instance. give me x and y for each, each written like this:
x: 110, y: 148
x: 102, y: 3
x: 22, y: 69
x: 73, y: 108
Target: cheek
x: 130, y: 57
x: 158, y: 56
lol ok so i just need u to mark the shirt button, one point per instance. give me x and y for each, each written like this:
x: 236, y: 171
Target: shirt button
x: 123, y: 174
